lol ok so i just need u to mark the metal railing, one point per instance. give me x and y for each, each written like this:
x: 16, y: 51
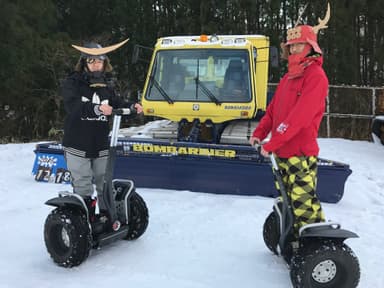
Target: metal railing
x: 350, y: 110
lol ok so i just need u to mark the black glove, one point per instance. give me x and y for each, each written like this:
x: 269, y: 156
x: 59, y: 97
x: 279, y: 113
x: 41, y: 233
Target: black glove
x: 133, y: 109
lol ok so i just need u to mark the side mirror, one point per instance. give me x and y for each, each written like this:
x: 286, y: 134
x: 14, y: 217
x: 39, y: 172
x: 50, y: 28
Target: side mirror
x: 139, y: 53
x: 274, y: 56
x: 135, y: 54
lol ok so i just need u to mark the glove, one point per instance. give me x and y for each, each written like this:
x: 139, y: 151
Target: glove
x: 133, y: 109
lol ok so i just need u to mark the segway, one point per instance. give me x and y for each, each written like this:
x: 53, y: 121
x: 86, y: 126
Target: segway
x: 70, y: 232
x: 318, y: 257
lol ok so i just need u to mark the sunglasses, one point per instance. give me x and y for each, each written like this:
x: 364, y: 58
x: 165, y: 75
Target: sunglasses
x: 94, y: 61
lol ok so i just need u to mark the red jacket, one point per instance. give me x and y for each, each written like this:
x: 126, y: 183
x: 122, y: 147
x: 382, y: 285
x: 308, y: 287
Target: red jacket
x: 295, y: 113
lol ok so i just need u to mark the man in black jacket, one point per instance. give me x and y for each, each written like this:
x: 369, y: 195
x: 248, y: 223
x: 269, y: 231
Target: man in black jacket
x: 88, y: 101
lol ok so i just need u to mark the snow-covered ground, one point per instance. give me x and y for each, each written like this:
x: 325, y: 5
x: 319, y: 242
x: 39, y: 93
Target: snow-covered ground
x: 194, y: 240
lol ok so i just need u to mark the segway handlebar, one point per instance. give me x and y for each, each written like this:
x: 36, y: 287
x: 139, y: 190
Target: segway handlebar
x: 117, y: 113
x: 273, y: 160
x: 271, y: 155
x: 124, y: 111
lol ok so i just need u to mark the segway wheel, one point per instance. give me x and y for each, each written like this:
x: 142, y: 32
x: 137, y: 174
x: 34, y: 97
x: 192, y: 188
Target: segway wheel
x: 327, y: 265
x: 67, y: 237
x: 138, y: 217
x: 271, y: 232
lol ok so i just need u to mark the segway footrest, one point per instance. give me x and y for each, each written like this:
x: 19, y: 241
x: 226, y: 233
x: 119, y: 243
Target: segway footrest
x: 325, y: 230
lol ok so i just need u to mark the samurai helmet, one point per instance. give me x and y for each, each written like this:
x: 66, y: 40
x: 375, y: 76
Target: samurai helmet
x: 307, y: 33
x: 96, y: 51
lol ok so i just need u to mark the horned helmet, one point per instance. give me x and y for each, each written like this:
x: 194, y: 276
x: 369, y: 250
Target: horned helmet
x: 307, y: 33
x: 94, y: 50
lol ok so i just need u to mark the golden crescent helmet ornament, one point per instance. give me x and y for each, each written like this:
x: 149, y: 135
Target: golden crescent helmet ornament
x: 100, y: 51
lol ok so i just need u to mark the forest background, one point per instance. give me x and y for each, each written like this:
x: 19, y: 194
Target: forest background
x: 36, y: 52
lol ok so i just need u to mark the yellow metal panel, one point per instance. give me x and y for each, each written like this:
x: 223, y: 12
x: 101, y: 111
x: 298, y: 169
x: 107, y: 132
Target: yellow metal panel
x: 204, y: 110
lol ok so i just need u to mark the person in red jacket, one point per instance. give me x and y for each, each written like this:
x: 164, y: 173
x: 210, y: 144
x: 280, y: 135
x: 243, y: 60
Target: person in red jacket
x: 293, y: 118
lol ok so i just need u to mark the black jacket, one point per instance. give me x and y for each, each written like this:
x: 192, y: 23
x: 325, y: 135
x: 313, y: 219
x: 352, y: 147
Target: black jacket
x: 86, y: 129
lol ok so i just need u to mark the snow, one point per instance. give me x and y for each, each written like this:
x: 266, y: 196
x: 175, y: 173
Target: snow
x: 194, y: 240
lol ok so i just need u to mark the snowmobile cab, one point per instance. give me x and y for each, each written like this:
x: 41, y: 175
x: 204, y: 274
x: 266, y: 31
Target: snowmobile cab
x: 318, y: 257
x: 70, y: 230
x: 209, y: 86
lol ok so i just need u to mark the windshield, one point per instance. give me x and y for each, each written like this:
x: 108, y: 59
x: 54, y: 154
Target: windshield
x: 204, y: 75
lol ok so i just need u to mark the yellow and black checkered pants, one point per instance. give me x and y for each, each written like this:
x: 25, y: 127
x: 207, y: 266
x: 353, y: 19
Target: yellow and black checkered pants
x: 299, y: 178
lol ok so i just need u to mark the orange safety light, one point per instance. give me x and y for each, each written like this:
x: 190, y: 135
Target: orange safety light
x: 244, y: 114
x: 203, y: 38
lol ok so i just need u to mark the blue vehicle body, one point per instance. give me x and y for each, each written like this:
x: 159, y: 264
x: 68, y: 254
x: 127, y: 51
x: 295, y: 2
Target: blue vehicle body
x: 211, y: 168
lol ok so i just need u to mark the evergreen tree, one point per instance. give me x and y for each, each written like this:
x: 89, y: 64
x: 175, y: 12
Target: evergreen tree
x: 37, y: 54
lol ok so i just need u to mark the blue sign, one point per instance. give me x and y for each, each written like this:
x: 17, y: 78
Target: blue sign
x: 50, y: 165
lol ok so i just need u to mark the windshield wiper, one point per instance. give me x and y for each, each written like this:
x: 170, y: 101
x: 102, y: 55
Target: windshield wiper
x: 206, y: 91
x: 160, y: 89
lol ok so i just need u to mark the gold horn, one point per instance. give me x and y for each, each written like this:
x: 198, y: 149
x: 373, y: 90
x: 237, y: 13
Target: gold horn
x: 323, y: 22
x: 100, y: 51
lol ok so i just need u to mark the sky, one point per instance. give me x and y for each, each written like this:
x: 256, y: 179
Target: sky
x: 197, y: 240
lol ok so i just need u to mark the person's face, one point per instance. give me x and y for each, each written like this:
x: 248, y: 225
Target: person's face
x: 95, y: 65
x: 296, y: 48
